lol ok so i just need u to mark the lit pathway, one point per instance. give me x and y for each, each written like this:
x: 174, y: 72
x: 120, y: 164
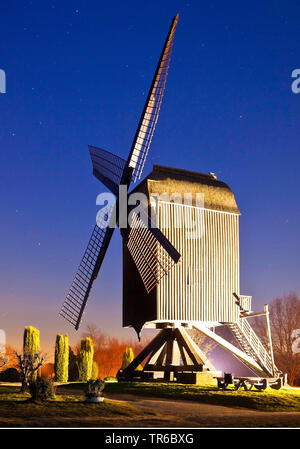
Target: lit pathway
x: 193, y: 414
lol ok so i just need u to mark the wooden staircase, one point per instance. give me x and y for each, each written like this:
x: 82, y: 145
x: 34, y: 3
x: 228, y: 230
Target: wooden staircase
x: 252, y: 352
x: 252, y: 346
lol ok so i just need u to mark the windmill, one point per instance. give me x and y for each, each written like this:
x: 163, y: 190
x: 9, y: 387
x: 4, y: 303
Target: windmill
x: 170, y: 282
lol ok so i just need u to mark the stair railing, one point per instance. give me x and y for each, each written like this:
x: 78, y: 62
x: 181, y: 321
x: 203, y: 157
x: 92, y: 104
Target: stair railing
x: 255, y: 344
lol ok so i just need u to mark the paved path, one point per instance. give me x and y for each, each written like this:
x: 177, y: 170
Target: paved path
x: 193, y: 414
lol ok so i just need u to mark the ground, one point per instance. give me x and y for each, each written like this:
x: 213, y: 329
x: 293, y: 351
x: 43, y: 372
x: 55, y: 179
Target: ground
x: 152, y: 405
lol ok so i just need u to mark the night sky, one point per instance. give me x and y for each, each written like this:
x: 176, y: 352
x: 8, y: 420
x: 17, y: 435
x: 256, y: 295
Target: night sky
x: 78, y: 73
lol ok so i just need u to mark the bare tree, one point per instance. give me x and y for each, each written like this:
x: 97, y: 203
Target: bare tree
x: 284, y: 319
x: 93, y: 332
x: 8, y: 359
x: 29, y: 364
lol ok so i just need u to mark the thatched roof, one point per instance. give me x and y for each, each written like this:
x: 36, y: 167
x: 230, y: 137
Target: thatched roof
x: 217, y: 194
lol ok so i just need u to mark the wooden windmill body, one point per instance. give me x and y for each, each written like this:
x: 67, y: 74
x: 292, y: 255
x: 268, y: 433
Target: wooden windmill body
x: 181, y: 271
x: 200, y: 287
x: 199, y: 292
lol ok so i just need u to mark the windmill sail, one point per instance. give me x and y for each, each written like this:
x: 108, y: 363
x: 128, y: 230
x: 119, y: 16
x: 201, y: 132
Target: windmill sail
x: 76, y: 299
x: 148, y: 120
x: 153, y: 254
x: 107, y: 167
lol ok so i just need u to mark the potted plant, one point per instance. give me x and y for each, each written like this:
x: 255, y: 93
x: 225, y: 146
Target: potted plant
x: 93, y: 392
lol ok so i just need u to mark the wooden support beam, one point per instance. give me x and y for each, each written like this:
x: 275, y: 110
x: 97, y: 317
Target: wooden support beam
x: 196, y: 349
x: 183, y: 339
x: 168, y: 371
x: 175, y: 368
x: 176, y: 354
x: 250, y: 315
x: 164, y: 351
x: 152, y: 347
x: 182, y: 353
x: 269, y: 337
x: 158, y: 357
x: 231, y: 348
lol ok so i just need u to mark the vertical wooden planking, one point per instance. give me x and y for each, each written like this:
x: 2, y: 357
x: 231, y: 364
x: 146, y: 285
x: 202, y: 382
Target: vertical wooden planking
x: 200, y: 287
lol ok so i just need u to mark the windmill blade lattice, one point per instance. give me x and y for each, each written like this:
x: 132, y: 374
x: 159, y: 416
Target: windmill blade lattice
x: 107, y: 167
x: 76, y: 299
x: 148, y: 120
x: 153, y: 254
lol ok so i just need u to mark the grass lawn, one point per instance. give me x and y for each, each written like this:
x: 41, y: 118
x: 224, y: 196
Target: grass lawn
x: 62, y: 410
x: 67, y: 408
x: 285, y: 399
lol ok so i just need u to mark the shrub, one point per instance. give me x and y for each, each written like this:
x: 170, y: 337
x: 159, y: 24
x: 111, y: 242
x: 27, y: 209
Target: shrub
x: 128, y: 357
x: 85, y: 359
x: 110, y: 379
x: 10, y: 375
x: 94, y: 388
x: 47, y: 371
x: 41, y: 389
x: 61, y: 363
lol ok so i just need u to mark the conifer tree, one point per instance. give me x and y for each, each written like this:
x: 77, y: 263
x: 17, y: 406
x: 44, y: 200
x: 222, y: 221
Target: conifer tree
x: 61, y: 361
x: 31, y: 344
x: 128, y: 357
x: 95, y: 371
x: 31, y: 340
x: 85, y: 359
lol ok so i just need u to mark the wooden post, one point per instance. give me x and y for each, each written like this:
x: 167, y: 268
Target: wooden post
x: 169, y: 374
x: 266, y: 308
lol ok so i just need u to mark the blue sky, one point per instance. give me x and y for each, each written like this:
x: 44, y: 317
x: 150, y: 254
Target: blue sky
x: 77, y: 74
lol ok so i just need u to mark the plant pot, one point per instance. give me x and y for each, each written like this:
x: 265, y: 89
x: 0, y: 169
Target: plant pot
x: 94, y: 399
